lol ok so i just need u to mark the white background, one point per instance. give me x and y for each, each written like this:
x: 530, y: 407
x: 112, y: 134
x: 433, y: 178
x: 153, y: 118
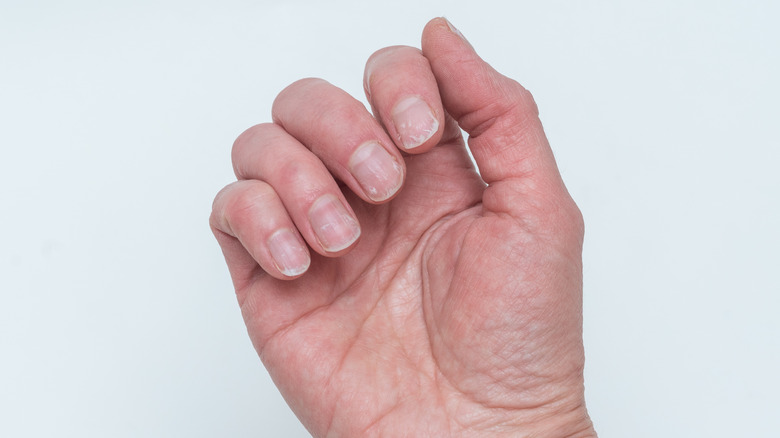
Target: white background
x: 117, y: 316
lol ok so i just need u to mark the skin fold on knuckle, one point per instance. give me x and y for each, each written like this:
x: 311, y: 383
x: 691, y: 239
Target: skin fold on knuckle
x: 291, y: 95
x: 241, y: 209
x: 217, y: 218
x: 246, y: 142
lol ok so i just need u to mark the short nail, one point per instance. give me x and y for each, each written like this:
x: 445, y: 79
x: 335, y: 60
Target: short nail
x: 334, y: 226
x: 376, y: 170
x: 291, y: 257
x: 414, y: 121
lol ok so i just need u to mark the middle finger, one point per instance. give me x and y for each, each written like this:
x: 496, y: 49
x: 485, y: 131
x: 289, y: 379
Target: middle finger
x: 343, y: 135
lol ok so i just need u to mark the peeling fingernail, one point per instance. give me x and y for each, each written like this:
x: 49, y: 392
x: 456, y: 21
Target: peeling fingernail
x: 367, y: 76
x: 335, y: 227
x: 455, y: 30
x: 291, y: 257
x: 376, y: 170
x: 414, y: 121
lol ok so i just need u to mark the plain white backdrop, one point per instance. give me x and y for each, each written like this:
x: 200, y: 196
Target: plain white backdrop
x: 117, y: 316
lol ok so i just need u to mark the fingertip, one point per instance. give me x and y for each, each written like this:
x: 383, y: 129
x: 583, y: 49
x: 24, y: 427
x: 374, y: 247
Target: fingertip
x: 254, y: 231
x: 444, y: 24
x: 403, y: 92
x: 506, y: 137
x: 470, y: 86
x: 433, y: 23
x: 442, y: 28
x: 304, y: 86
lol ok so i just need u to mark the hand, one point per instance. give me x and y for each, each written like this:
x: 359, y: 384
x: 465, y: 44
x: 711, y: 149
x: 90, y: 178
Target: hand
x: 389, y: 288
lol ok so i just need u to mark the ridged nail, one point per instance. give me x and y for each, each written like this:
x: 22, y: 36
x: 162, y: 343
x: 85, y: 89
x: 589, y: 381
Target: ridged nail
x: 376, y: 170
x: 335, y: 227
x: 289, y: 254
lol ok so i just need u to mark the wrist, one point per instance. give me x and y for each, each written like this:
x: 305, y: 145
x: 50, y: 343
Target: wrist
x: 558, y: 420
x: 574, y: 425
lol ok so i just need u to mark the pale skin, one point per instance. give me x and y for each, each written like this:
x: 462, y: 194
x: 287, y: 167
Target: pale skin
x: 389, y: 287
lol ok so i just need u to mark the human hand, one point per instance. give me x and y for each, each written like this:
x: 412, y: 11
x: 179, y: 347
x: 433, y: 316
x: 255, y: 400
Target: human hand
x: 396, y: 293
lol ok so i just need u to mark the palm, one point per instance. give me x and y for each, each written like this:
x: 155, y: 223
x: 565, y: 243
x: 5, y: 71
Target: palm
x: 405, y: 325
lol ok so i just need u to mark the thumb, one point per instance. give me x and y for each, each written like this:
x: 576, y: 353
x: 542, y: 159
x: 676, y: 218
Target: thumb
x: 505, y: 135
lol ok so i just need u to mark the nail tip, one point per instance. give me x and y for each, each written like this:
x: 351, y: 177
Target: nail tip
x: 449, y: 24
x: 391, y: 191
x: 457, y: 32
x: 415, y: 122
x: 294, y: 272
x: 343, y: 246
x: 414, y: 142
x: 289, y: 256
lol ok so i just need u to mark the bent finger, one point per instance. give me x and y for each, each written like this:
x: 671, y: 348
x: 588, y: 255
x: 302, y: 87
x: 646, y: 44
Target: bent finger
x: 500, y: 116
x: 250, y: 212
x: 310, y: 195
x: 343, y: 135
x: 402, y: 89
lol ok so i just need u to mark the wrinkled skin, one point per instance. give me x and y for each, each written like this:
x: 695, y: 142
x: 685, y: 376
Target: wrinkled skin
x: 458, y: 310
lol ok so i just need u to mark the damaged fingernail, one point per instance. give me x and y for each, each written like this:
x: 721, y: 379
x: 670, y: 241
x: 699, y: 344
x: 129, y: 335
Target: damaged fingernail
x: 414, y: 121
x: 335, y: 227
x: 376, y: 170
x: 289, y: 253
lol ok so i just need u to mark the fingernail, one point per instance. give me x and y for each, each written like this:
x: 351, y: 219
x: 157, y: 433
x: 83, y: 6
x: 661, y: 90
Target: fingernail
x: 335, y: 228
x: 414, y: 121
x: 376, y: 170
x: 367, y: 76
x: 455, y: 30
x: 291, y: 257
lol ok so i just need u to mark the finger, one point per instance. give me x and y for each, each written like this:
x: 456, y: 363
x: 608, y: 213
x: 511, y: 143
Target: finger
x: 253, y: 228
x: 403, y: 91
x: 506, y: 136
x: 305, y: 187
x: 343, y: 135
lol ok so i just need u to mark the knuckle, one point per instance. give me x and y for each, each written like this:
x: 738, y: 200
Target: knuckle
x: 564, y: 222
x: 525, y: 100
x: 514, y: 112
x: 248, y: 139
x: 244, y: 201
x: 303, y: 83
x: 296, y: 172
x: 345, y: 112
x: 571, y: 221
x: 293, y: 94
x: 253, y: 133
x: 248, y: 196
x: 519, y: 108
x: 391, y: 54
x: 257, y: 134
x: 393, y: 65
x: 379, y: 54
x: 577, y: 219
x: 249, y: 143
x: 218, y: 219
x: 300, y: 86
